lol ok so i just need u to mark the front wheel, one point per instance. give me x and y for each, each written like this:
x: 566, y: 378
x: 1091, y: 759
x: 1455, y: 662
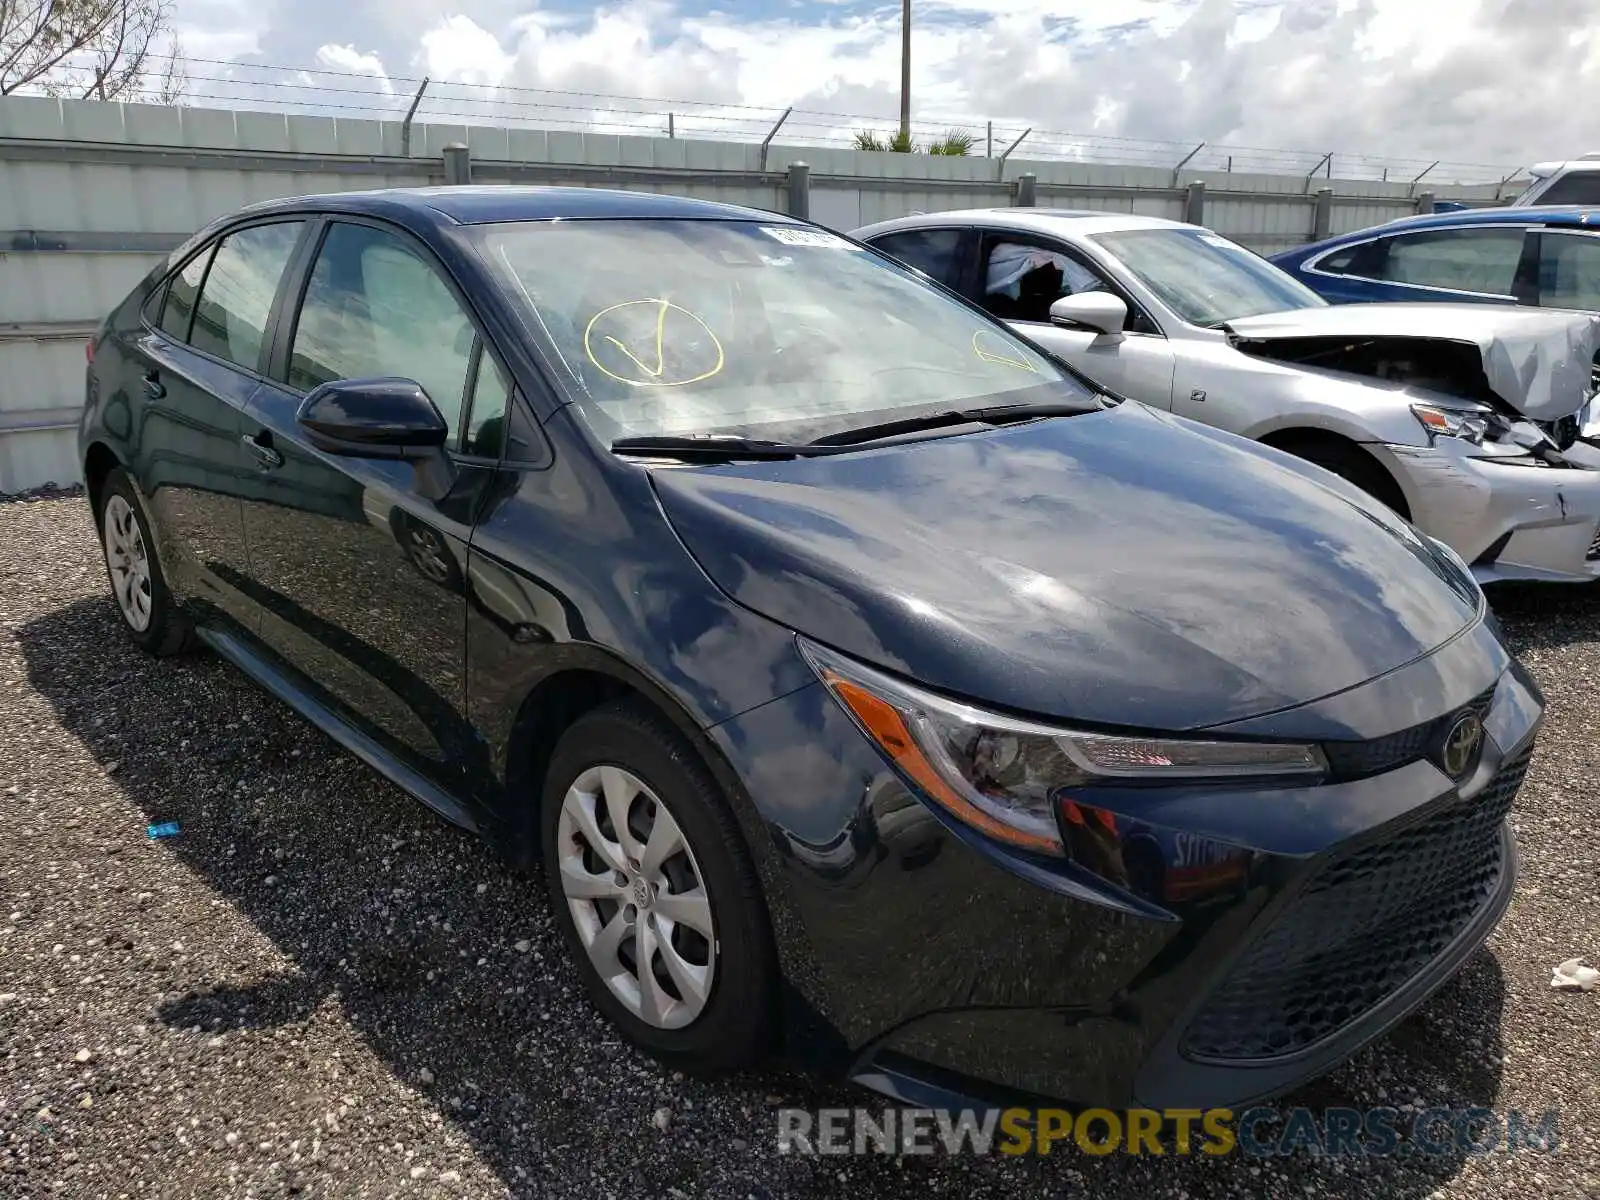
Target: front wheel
x: 1354, y: 465
x: 138, y: 584
x: 656, y: 894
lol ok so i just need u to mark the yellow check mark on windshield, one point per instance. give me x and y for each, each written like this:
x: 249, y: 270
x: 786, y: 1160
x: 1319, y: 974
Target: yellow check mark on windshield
x: 1005, y: 359
x: 661, y: 354
x: 691, y: 346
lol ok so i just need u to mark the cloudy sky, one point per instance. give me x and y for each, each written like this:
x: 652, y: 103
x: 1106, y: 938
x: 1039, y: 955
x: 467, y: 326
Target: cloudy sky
x: 1484, y: 81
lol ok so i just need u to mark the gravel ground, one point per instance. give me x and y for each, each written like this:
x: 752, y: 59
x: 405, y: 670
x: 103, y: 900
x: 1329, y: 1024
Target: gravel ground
x: 320, y: 989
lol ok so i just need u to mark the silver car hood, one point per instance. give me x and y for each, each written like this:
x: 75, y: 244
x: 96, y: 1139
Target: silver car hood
x: 1539, y: 361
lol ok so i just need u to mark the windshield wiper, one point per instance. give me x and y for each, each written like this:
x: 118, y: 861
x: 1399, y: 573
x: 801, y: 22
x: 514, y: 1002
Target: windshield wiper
x: 994, y: 414
x: 707, y: 448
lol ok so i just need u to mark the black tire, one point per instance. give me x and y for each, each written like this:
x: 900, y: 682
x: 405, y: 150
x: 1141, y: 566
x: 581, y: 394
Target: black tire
x: 735, y: 1028
x: 168, y: 631
x: 1355, y: 466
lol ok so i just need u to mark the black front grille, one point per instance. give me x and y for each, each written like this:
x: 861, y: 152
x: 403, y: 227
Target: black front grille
x: 1594, y: 547
x: 1362, y: 926
x: 1356, y: 760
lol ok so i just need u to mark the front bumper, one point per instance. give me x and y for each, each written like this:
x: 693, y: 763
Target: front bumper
x: 950, y: 972
x: 1507, y: 522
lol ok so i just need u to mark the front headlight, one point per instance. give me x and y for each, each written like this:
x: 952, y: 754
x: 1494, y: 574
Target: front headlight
x: 1005, y: 777
x: 1469, y: 426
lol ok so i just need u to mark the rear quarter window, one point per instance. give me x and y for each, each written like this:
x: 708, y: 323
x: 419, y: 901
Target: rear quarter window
x: 1340, y: 262
x: 182, y: 290
x: 1580, y: 187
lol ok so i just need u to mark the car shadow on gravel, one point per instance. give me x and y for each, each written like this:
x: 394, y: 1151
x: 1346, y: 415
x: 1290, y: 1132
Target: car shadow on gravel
x: 448, y: 966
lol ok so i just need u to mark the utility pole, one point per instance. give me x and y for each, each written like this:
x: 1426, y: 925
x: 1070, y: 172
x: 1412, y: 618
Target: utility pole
x: 905, y: 70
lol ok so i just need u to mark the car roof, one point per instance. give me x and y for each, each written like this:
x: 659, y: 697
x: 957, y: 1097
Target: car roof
x: 1059, y: 221
x: 478, y: 204
x: 1530, y: 214
x: 1554, y: 214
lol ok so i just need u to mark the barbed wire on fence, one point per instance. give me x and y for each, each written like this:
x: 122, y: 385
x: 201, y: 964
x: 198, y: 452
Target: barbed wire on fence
x: 335, y: 91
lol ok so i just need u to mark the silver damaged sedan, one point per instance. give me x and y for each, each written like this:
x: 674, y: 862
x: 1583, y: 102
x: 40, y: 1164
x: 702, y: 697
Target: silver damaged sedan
x: 1477, y: 422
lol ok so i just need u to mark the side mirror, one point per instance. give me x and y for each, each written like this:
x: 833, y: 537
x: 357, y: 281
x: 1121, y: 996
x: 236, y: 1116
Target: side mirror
x: 373, y: 418
x: 381, y: 418
x: 1100, y: 311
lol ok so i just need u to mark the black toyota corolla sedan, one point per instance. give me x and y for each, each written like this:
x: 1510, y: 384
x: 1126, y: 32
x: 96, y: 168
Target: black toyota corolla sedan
x: 864, y: 680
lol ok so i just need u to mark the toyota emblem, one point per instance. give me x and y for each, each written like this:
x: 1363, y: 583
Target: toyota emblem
x: 1459, y: 753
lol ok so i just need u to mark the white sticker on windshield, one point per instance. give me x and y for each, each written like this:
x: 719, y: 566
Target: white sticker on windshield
x: 1222, y: 243
x: 806, y: 237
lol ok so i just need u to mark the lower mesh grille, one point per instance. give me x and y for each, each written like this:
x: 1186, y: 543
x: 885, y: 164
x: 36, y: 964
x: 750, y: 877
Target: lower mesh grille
x: 1594, y: 547
x: 1362, y: 927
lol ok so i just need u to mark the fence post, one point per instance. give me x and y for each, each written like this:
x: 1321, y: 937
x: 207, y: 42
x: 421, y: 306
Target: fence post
x: 1194, y: 203
x: 405, y: 126
x: 800, y: 190
x: 1026, y: 185
x: 1425, y: 202
x: 457, y: 163
x: 1322, y: 214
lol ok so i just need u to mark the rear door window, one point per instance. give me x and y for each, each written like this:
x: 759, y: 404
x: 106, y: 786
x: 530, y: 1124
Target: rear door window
x: 934, y: 252
x: 230, y: 319
x: 1481, y: 261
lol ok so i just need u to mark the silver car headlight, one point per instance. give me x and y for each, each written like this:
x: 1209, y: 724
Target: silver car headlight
x: 1470, y: 425
x: 1005, y: 777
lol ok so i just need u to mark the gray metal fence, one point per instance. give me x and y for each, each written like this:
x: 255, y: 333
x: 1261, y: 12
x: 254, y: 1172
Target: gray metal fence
x: 92, y: 194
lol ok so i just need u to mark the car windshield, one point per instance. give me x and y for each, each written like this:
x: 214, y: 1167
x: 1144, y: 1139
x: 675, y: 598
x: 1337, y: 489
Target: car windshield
x: 1206, y: 279
x: 680, y: 327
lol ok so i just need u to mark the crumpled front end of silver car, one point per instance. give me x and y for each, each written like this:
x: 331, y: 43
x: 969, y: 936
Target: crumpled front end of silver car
x: 1507, y: 468
x: 1536, y: 363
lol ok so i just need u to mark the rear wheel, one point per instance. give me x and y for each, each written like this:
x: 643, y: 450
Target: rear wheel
x: 656, y: 894
x: 138, y: 585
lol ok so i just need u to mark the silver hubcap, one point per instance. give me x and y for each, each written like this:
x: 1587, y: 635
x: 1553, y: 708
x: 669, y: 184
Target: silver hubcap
x: 129, y: 563
x: 637, y: 897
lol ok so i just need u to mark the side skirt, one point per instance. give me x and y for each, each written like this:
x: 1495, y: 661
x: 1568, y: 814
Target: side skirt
x: 352, y: 739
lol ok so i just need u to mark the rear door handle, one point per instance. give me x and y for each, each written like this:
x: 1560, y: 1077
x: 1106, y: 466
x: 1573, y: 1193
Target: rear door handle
x: 153, y: 387
x: 266, y: 455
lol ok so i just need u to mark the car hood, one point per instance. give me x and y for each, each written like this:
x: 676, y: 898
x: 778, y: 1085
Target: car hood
x: 1124, y: 567
x: 1539, y: 361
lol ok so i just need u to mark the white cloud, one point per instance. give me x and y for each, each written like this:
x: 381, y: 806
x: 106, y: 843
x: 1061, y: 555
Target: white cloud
x: 349, y: 59
x: 1490, y: 84
x: 460, y: 50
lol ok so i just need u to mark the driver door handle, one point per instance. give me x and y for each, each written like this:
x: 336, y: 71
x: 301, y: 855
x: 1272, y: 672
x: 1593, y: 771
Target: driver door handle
x: 262, y: 450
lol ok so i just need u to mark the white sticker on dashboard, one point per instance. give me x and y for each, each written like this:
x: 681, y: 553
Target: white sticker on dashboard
x: 807, y: 237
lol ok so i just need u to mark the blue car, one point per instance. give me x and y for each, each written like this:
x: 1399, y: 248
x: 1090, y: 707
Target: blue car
x: 1547, y: 257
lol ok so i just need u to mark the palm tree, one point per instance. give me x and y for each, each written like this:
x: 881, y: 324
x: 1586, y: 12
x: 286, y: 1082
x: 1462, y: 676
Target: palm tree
x: 955, y: 142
